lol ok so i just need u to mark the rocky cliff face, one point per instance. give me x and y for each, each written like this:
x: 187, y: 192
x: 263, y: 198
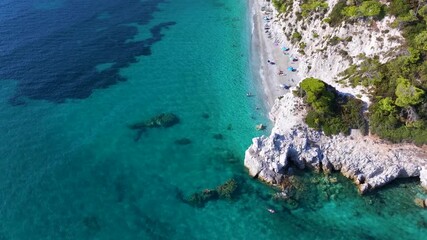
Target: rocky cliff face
x: 328, y: 51
x: 371, y: 163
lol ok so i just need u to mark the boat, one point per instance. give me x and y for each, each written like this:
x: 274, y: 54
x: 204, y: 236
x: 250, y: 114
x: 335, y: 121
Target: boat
x: 271, y: 210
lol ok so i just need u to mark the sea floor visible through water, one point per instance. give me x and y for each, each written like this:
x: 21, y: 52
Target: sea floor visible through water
x: 76, y: 74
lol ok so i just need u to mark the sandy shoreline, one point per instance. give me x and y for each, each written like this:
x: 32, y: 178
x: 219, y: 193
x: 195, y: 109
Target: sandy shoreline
x: 265, y: 49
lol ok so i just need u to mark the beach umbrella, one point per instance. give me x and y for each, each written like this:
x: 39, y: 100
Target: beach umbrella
x: 290, y: 69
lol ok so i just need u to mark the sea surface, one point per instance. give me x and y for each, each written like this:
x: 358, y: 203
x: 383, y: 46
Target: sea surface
x: 74, y: 74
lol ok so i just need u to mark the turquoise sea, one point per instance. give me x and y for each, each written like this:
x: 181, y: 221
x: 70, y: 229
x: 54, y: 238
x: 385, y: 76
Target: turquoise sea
x: 75, y: 74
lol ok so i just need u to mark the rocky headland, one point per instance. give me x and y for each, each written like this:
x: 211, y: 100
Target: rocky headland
x: 369, y: 161
x: 325, y: 53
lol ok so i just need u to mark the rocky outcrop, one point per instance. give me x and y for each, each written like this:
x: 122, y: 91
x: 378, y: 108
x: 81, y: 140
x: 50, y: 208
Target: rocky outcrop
x: 369, y: 162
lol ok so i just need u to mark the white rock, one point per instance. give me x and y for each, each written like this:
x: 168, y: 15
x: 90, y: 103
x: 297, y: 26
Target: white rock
x: 369, y: 162
x: 423, y: 177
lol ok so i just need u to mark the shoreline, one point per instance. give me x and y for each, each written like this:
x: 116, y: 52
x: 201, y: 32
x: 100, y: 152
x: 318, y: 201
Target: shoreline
x: 265, y: 49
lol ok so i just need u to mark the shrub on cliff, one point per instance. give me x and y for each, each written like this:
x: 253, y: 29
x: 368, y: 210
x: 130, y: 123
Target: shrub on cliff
x: 398, y: 7
x: 370, y: 8
x: 309, y: 6
x: 351, y: 10
x: 282, y: 5
x: 296, y: 37
x: 407, y: 94
x: 336, y: 17
x: 330, y: 112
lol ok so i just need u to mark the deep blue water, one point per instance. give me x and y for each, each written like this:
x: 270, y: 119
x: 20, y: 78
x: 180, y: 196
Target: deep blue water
x: 40, y: 45
x: 75, y: 74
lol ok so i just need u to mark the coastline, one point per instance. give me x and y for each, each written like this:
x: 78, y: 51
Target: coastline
x: 371, y: 166
x: 264, y: 49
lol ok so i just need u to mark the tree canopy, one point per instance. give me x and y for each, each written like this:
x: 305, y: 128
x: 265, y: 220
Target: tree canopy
x: 370, y: 8
x: 330, y: 112
x: 421, y: 40
x: 407, y: 94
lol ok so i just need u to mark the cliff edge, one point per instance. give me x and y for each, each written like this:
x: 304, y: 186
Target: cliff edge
x: 369, y: 162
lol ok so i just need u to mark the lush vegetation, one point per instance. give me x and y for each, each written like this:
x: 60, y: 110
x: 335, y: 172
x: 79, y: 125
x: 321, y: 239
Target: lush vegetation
x: 353, y: 10
x: 399, y: 104
x: 309, y: 6
x: 329, y: 111
x: 282, y: 5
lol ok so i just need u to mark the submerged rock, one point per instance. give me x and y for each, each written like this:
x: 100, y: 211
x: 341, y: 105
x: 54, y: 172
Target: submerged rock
x: 218, y: 136
x: 183, y: 141
x: 226, y: 190
x: 260, y: 127
x: 199, y: 199
x: 162, y: 120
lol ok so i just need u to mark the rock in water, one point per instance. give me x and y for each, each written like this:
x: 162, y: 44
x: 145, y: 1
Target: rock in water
x: 218, y: 136
x: 260, y: 127
x: 163, y: 120
x: 183, y: 141
x: 199, y: 199
x: 228, y: 189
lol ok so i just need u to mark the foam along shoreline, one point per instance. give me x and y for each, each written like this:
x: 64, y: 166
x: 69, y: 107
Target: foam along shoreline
x: 371, y: 163
x: 273, y: 61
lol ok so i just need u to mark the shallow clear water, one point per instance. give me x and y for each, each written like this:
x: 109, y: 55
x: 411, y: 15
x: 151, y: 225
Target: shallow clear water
x: 76, y: 73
